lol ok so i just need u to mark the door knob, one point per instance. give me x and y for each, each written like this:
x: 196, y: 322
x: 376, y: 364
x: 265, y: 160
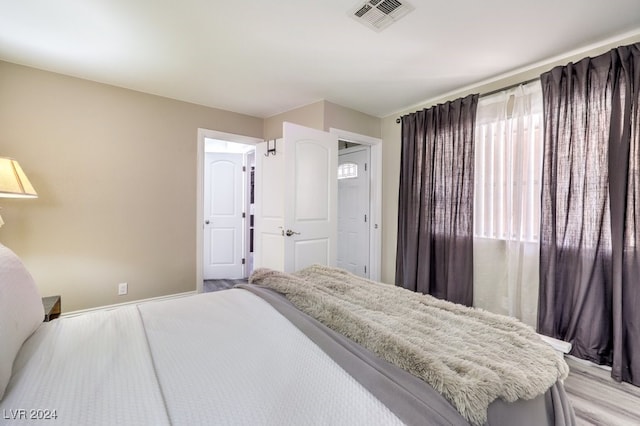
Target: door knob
x: 206, y: 222
x: 290, y: 233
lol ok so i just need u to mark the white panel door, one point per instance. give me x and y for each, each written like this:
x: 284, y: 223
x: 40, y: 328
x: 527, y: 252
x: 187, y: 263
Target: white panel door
x: 223, y: 221
x: 353, y: 210
x: 296, y: 200
x: 311, y: 197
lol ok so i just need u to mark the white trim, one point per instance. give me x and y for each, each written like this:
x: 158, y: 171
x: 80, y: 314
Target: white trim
x: 588, y: 363
x: 353, y: 149
x: 375, y: 208
x: 131, y: 302
x: 558, y: 345
x: 212, y: 134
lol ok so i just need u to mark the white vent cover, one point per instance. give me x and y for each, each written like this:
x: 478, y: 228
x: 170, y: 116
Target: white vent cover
x: 379, y: 14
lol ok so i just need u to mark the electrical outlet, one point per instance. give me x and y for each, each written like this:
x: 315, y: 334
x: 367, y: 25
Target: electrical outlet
x: 123, y: 288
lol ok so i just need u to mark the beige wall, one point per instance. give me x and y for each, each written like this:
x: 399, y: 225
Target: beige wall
x: 311, y: 115
x: 323, y: 115
x: 115, y: 171
x: 391, y: 137
x: 343, y: 118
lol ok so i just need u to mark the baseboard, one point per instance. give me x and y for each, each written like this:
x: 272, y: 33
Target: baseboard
x: 559, y: 345
x: 588, y: 363
x: 132, y: 302
x: 563, y: 348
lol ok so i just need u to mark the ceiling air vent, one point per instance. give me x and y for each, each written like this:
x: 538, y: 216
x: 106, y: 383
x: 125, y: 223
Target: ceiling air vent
x: 379, y: 14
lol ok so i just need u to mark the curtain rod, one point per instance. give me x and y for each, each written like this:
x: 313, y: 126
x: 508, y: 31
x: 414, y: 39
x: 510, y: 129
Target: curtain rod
x: 493, y: 92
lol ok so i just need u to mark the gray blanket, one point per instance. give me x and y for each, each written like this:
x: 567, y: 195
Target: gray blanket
x: 469, y: 356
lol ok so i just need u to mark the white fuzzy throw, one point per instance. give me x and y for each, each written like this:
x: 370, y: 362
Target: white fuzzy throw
x: 470, y: 356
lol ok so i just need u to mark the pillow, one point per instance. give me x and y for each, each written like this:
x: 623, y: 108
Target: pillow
x: 21, y: 311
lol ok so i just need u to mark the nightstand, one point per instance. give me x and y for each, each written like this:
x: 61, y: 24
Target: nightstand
x: 52, y: 307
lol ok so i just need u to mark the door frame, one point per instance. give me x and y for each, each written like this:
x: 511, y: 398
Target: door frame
x: 375, y: 259
x: 369, y: 222
x: 212, y: 134
x: 375, y: 198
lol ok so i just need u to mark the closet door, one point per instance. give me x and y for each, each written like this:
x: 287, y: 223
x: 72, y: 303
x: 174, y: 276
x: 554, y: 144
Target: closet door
x: 223, y: 226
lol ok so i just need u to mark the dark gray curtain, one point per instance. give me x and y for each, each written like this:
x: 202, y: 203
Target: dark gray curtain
x: 435, y: 210
x: 590, y: 223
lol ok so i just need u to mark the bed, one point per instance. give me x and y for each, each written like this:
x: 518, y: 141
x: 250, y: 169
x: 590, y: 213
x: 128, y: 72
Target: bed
x: 248, y: 355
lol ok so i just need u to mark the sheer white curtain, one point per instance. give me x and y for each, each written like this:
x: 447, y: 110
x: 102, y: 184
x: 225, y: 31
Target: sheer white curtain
x: 508, y: 161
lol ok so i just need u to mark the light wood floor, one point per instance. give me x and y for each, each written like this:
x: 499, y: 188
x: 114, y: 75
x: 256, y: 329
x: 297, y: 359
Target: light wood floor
x: 216, y: 285
x: 598, y: 399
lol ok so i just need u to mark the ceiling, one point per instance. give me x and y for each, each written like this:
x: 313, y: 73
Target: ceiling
x: 262, y: 57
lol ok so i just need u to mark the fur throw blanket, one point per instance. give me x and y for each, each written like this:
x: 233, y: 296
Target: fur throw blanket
x: 468, y: 355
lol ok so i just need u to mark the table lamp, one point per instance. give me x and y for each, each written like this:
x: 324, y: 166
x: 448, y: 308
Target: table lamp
x: 13, y: 182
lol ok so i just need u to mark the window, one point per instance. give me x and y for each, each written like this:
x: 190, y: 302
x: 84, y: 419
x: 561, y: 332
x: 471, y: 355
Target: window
x: 347, y: 171
x: 508, y: 165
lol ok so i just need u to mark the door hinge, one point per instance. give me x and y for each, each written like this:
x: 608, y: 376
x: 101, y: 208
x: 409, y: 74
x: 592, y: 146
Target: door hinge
x: 243, y: 260
x: 244, y: 168
x: 365, y: 167
x: 365, y: 217
x: 244, y: 215
x: 365, y: 269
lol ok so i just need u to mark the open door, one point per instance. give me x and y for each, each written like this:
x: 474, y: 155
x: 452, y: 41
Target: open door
x: 296, y: 200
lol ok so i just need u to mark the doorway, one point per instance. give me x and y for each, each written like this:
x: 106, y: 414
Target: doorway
x: 353, y: 208
x: 244, y: 144
x: 227, y: 210
x: 374, y: 168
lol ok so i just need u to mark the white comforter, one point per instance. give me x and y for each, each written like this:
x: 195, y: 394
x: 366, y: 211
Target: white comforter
x: 219, y: 358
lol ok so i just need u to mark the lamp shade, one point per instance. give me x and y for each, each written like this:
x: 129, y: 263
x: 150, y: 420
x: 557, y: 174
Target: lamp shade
x: 13, y: 182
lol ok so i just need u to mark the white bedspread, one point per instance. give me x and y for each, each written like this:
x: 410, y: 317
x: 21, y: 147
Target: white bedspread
x: 220, y: 358
x: 249, y: 365
x: 91, y: 369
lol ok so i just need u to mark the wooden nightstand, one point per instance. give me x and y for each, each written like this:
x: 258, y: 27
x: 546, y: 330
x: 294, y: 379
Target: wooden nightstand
x: 52, y: 307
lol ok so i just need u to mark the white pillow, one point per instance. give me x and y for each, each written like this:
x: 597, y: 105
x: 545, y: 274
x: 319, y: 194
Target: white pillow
x: 21, y: 311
